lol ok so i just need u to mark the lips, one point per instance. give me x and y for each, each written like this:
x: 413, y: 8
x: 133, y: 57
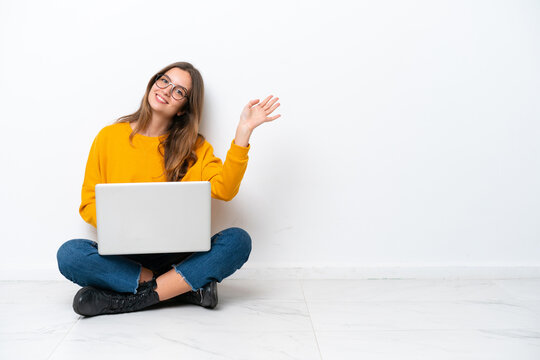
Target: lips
x: 160, y: 99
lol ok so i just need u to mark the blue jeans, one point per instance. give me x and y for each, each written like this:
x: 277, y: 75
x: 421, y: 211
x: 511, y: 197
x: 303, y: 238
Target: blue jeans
x: 79, y: 261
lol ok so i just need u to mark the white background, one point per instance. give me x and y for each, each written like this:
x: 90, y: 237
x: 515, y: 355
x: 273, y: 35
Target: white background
x: 409, y: 134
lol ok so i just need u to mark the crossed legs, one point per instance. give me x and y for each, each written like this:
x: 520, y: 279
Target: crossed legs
x: 169, y: 285
x: 80, y: 262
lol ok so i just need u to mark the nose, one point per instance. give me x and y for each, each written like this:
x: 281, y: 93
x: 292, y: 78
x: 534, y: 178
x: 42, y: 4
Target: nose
x: 165, y: 92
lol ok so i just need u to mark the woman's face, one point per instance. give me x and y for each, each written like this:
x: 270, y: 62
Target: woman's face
x: 161, y: 101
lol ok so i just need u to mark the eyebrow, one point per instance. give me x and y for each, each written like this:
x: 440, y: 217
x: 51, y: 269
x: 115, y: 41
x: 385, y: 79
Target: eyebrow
x: 167, y: 76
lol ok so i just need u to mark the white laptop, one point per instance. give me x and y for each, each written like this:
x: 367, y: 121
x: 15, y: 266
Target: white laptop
x: 153, y: 217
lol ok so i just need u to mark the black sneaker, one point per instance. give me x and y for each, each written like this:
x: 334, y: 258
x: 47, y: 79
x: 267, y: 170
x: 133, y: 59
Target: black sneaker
x: 206, y: 297
x: 91, y: 301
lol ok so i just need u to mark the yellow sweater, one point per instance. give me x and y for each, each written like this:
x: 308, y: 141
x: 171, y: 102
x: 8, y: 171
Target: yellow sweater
x: 113, y: 160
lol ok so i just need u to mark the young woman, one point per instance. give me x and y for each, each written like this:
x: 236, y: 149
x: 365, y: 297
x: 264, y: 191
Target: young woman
x: 161, y: 142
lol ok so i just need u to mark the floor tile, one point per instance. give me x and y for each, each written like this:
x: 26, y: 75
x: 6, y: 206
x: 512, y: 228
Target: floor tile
x: 431, y: 344
x: 278, y: 319
x: 525, y: 289
x: 354, y: 316
x: 247, y: 290
x: 43, y: 292
x: 403, y: 290
x: 32, y: 331
x: 533, y: 305
x: 156, y: 343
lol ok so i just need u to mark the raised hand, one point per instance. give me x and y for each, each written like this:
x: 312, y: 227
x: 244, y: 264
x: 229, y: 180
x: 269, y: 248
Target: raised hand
x: 254, y: 115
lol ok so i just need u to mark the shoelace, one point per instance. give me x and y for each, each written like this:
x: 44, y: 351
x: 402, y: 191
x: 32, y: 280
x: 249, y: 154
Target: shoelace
x: 127, y: 302
x: 123, y: 301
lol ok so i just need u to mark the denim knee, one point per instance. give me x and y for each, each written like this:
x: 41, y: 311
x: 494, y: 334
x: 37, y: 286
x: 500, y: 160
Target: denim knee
x: 69, y: 253
x: 241, y: 241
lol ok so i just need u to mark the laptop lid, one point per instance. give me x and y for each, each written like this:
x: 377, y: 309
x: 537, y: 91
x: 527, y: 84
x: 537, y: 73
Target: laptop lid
x: 153, y: 217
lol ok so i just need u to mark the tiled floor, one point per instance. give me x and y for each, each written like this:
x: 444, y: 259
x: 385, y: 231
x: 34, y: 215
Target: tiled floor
x: 293, y: 319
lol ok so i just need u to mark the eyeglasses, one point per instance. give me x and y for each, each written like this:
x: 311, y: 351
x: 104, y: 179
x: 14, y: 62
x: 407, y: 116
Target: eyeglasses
x: 177, y: 92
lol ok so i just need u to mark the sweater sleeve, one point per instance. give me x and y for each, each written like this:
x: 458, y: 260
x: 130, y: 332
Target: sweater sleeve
x: 225, y: 178
x: 92, y: 176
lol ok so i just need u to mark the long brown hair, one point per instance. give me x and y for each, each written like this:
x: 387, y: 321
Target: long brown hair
x: 184, y: 138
